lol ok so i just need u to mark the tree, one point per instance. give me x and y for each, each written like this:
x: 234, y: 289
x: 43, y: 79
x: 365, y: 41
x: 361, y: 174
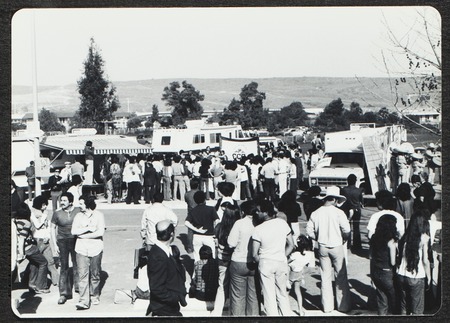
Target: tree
x: 293, y: 115
x: 134, y: 121
x: 384, y: 116
x: 185, y: 104
x: 355, y: 114
x: 248, y: 111
x: 18, y: 126
x: 97, y: 95
x: 333, y: 117
x: 49, y: 121
x: 154, y: 117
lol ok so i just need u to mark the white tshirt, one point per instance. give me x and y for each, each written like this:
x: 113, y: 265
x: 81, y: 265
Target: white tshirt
x: 297, y: 261
x: 272, y: 236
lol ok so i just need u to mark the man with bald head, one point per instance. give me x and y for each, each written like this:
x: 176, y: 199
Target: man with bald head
x: 166, y: 277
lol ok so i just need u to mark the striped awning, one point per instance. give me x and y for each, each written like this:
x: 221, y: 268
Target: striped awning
x: 103, y: 144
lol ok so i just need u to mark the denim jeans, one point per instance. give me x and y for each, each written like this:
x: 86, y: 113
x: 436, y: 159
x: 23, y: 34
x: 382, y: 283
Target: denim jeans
x: 46, y: 250
x: 66, y: 248
x: 243, y: 299
x: 38, y: 268
x: 222, y: 291
x: 134, y: 193
x: 356, y: 232
x: 204, y: 186
x: 179, y: 182
x: 384, y: 282
x: 269, y: 188
x: 329, y: 259
x: 412, y: 295
x: 166, y: 188
x: 89, y: 270
x: 274, y: 275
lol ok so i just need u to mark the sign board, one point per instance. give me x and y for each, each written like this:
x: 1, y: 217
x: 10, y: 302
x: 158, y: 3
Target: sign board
x: 236, y: 148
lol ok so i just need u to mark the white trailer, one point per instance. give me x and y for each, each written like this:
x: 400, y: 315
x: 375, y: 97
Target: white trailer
x: 194, y: 136
x: 363, y: 151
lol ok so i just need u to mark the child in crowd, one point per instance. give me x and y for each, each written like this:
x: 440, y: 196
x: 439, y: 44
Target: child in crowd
x: 205, y: 280
x: 301, y: 257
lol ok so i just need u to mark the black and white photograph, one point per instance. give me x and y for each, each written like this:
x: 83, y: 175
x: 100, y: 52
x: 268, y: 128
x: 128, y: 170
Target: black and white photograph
x: 226, y: 162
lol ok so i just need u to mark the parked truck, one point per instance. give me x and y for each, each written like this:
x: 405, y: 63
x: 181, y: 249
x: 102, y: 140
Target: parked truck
x: 364, y: 150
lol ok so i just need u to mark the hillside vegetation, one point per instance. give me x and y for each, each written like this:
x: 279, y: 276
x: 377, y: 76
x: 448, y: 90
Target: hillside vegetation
x: 139, y: 96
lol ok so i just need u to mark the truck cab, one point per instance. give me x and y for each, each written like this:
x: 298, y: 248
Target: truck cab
x: 336, y: 168
x: 364, y: 151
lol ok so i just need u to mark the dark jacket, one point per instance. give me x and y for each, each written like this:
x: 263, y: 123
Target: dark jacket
x: 150, y: 177
x: 166, y: 281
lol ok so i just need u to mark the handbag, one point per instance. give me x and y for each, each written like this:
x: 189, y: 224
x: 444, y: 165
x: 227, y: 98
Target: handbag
x: 140, y: 259
x: 124, y: 296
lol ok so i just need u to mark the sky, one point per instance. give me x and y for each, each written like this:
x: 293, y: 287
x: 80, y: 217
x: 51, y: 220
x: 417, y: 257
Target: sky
x: 164, y: 43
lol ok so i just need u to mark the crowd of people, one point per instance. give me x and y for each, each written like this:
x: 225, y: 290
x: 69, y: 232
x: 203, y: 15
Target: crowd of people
x: 248, y: 248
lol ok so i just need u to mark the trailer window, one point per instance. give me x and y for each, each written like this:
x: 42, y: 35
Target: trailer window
x: 198, y: 139
x: 214, y: 138
x: 165, y: 140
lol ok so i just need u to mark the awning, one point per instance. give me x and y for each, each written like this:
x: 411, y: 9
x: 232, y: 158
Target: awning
x: 103, y: 144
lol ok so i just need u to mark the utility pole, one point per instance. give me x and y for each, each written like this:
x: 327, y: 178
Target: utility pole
x: 36, y: 129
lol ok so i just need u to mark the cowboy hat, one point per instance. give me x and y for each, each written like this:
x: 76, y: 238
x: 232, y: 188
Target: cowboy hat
x: 431, y: 145
x: 334, y: 192
x: 407, y: 148
x: 401, y: 150
x: 417, y: 149
x: 417, y: 156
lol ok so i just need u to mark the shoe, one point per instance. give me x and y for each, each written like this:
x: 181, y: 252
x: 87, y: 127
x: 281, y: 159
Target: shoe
x: 62, y: 300
x: 42, y: 291
x: 81, y: 306
x: 95, y: 301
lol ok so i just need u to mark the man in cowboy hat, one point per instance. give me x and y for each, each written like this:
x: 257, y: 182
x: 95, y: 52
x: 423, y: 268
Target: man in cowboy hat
x: 329, y: 226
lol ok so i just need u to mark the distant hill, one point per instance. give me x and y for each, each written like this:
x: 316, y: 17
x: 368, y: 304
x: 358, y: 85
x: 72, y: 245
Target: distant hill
x: 139, y: 96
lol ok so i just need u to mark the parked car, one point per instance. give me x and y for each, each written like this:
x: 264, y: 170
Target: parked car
x: 144, y: 139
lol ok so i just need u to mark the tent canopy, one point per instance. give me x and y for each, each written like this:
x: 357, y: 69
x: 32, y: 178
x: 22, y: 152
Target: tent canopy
x: 103, y: 144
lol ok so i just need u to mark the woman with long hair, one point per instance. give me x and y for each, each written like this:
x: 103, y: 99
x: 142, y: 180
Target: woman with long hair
x: 415, y: 266
x: 383, y: 247
x: 289, y: 206
x: 231, y: 214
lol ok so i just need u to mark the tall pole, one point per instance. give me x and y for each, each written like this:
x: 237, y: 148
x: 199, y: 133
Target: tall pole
x: 36, y: 126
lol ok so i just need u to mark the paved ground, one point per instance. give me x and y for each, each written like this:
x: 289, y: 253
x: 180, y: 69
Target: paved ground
x: 122, y: 238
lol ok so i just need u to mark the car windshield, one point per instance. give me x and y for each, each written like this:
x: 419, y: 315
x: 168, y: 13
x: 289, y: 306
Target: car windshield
x: 343, y: 158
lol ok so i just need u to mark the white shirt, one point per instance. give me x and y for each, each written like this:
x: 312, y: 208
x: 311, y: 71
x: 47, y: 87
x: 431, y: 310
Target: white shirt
x: 297, y: 261
x: 41, y: 224
x: 128, y: 175
x: 243, y: 173
x: 152, y: 215
x: 327, y: 225
x: 272, y: 234
x: 76, y: 192
x: 239, y: 238
x: 420, y: 273
x: 157, y: 165
x: 89, y: 244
